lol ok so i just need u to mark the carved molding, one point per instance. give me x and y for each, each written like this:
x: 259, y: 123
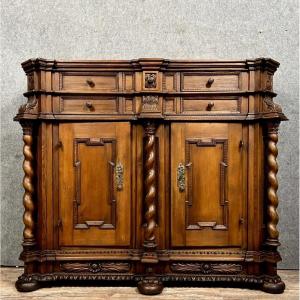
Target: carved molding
x: 206, y: 268
x: 112, y: 199
x: 223, y: 183
x: 95, y: 267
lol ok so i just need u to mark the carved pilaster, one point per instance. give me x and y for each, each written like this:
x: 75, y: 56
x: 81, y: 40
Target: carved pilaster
x: 28, y: 217
x: 150, y: 185
x: 272, y: 185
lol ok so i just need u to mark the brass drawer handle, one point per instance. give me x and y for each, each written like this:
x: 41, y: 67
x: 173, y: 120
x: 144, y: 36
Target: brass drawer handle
x: 181, y: 177
x: 119, y: 176
x: 210, y: 105
x: 89, y: 105
x: 90, y: 82
x: 210, y: 81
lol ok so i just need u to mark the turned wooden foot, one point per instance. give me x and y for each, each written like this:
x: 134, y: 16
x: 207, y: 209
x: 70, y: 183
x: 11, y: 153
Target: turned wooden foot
x: 150, y: 286
x: 273, y: 285
x: 27, y: 285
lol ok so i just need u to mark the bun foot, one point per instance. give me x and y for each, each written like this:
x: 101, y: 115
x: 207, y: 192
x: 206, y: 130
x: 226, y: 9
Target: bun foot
x: 150, y: 286
x: 24, y: 284
x: 273, y: 285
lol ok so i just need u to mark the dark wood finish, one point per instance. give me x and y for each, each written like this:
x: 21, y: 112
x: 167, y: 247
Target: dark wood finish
x: 150, y: 170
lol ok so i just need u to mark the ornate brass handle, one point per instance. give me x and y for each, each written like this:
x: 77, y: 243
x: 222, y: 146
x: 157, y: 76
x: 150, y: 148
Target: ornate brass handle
x: 210, y: 81
x: 119, y: 176
x: 90, y: 82
x: 181, y: 177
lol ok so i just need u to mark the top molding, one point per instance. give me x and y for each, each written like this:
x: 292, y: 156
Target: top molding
x: 264, y: 64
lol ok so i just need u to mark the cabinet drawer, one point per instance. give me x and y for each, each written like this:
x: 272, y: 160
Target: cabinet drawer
x: 91, y: 82
x: 209, y: 82
x: 90, y: 105
x: 192, y: 105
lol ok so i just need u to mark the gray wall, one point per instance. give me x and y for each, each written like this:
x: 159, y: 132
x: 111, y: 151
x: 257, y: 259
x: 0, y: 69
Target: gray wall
x: 131, y: 29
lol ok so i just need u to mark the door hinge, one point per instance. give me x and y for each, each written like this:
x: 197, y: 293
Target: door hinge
x: 241, y: 221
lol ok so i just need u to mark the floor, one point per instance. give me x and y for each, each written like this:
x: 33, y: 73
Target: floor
x: 9, y: 275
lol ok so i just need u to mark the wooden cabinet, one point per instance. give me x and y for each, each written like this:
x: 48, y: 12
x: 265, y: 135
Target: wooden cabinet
x: 150, y: 170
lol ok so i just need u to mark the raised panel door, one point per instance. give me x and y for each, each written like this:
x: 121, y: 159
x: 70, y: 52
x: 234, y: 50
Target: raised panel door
x: 94, y: 184
x: 207, y: 199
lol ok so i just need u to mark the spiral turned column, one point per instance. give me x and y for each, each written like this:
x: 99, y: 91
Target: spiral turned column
x: 272, y: 198
x: 150, y: 186
x: 28, y: 217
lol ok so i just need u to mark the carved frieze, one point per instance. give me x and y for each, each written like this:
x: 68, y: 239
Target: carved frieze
x: 206, y: 268
x: 95, y: 267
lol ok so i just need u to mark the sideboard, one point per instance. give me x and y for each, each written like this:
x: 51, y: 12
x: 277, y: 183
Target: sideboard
x: 150, y: 171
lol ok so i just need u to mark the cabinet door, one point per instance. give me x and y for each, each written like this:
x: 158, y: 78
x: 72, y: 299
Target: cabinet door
x: 94, y: 184
x: 206, y: 184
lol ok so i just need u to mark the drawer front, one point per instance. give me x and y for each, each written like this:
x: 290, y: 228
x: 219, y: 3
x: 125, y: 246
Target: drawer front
x: 192, y: 105
x: 90, y: 105
x: 209, y: 82
x: 91, y: 82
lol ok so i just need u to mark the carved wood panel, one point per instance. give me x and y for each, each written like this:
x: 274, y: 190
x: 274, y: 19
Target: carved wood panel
x: 222, y: 144
x: 111, y: 164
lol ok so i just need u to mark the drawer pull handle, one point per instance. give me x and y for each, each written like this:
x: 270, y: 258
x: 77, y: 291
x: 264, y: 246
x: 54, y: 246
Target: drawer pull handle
x: 90, y: 82
x: 210, y: 105
x: 210, y: 81
x: 181, y: 177
x: 89, y: 105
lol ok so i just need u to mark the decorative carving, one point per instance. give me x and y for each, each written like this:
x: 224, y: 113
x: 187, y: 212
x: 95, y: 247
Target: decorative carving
x: 206, y: 268
x: 95, y: 267
x: 150, y: 103
x: 150, y: 185
x: 30, y: 106
x: 223, y: 183
x: 30, y: 81
x: 150, y: 80
x: 28, y: 217
x: 77, y: 164
x: 181, y: 177
x: 272, y: 199
x: 119, y: 174
x: 270, y: 106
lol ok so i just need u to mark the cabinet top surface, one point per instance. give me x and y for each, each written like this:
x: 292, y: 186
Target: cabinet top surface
x: 151, y: 63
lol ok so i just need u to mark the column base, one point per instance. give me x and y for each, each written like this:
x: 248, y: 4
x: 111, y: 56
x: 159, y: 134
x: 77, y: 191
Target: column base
x: 273, y: 285
x: 150, y: 286
x: 28, y: 285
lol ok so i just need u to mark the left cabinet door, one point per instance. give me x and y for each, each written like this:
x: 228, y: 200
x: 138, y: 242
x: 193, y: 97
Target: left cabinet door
x: 95, y: 184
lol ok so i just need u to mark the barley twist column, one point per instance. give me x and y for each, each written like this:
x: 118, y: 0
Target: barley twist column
x: 272, y: 198
x: 28, y: 217
x: 150, y: 185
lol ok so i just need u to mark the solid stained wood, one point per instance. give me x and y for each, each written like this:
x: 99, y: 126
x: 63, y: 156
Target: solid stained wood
x: 150, y: 170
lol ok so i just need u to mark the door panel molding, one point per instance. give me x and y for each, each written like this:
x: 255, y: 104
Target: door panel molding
x: 102, y: 142
x: 198, y: 142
